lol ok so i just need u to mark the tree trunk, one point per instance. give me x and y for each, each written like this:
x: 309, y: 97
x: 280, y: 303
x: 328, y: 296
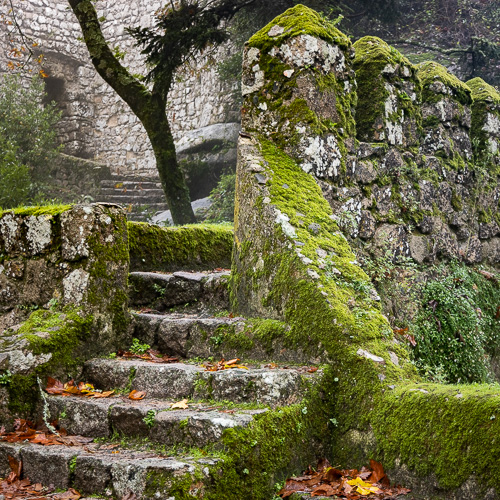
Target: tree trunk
x: 147, y: 106
x: 172, y: 180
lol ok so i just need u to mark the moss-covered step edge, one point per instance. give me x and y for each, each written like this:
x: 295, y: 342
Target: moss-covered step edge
x: 252, y: 462
x: 169, y: 249
x: 255, y: 460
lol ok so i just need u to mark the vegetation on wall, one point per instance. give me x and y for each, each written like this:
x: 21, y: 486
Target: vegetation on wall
x: 28, y: 142
x: 456, y: 328
x: 222, y: 196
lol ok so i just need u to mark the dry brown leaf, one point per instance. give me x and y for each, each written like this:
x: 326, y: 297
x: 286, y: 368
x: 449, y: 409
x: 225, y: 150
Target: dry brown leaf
x: 180, y: 405
x: 136, y: 395
x: 150, y: 355
x: 56, y: 387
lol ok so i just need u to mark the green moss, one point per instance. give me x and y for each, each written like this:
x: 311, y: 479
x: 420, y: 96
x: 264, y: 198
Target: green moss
x: 372, y: 56
x: 256, y: 333
x: 332, y: 315
x: 428, y: 427
x: 482, y: 91
x: 431, y: 72
x: 38, y: 210
x: 199, y: 246
x: 456, y: 201
x: 486, y: 99
x: 59, y: 333
x: 299, y: 20
x: 107, y: 296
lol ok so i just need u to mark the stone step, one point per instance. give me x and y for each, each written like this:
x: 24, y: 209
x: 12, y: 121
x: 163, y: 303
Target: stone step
x: 193, y: 336
x: 146, y: 194
x: 109, y: 471
x: 175, y: 381
x: 161, y: 291
x: 133, y: 197
x: 121, y: 183
x: 149, y: 418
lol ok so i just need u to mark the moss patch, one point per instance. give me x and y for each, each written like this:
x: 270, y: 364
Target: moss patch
x: 43, y: 210
x: 199, y: 246
x: 486, y: 99
x: 377, y: 63
x: 482, y: 91
x: 449, y: 431
x: 299, y: 20
x: 58, y: 333
x: 431, y: 72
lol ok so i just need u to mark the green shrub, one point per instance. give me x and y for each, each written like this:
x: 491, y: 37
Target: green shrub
x: 15, y: 181
x: 222, y: 209
x: 28, y: 124
x: 457, y: 328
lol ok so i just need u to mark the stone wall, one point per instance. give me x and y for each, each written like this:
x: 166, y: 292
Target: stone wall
x: 61, y: 268
x: 96, y: 123
x: 292, y: 263
x: 426, y: 185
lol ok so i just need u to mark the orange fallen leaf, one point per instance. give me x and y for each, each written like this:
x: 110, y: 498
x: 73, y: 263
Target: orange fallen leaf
x: 180, y: 405
x: 136, y: 395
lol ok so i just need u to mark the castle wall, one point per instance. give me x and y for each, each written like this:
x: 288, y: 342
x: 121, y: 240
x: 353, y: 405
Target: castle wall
x: 96, y: 123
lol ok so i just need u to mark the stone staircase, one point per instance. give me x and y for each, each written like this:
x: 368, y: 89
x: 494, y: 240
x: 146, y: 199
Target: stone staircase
x: 141, y: 197
x: 146, y: 447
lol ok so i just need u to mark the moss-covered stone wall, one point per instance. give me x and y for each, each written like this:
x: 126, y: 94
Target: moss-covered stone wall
x: 63, y: 292
x: 293, y: 261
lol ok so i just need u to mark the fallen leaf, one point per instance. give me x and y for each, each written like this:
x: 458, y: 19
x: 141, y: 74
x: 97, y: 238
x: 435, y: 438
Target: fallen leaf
x: 150, y: 355
x: 180, y: 405
x: 378, y: 471
x: 136, y: 395
x: 223, y: 365
x: 71, y: 389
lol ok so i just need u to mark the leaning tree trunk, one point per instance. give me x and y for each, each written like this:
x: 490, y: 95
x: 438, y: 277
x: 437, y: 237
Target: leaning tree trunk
x: 144, y: 104
x: 171, y: 177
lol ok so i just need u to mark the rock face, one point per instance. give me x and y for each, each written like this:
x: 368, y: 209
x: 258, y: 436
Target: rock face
x: 63, y: 285
x: 425, y: 186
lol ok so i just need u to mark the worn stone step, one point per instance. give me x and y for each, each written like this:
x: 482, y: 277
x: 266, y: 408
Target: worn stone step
x: 148, y: 195
x: 161, y: 291
x: 271, y: 387
x: 106, y: 470
x: 133, y: 197
x: 194, y: 336
x: 149, y: 418
x: 121, y: 183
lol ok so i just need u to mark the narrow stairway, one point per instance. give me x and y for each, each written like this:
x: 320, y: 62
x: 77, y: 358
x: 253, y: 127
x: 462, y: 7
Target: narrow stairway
x: 141, y: 197
x: 149, y: 447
